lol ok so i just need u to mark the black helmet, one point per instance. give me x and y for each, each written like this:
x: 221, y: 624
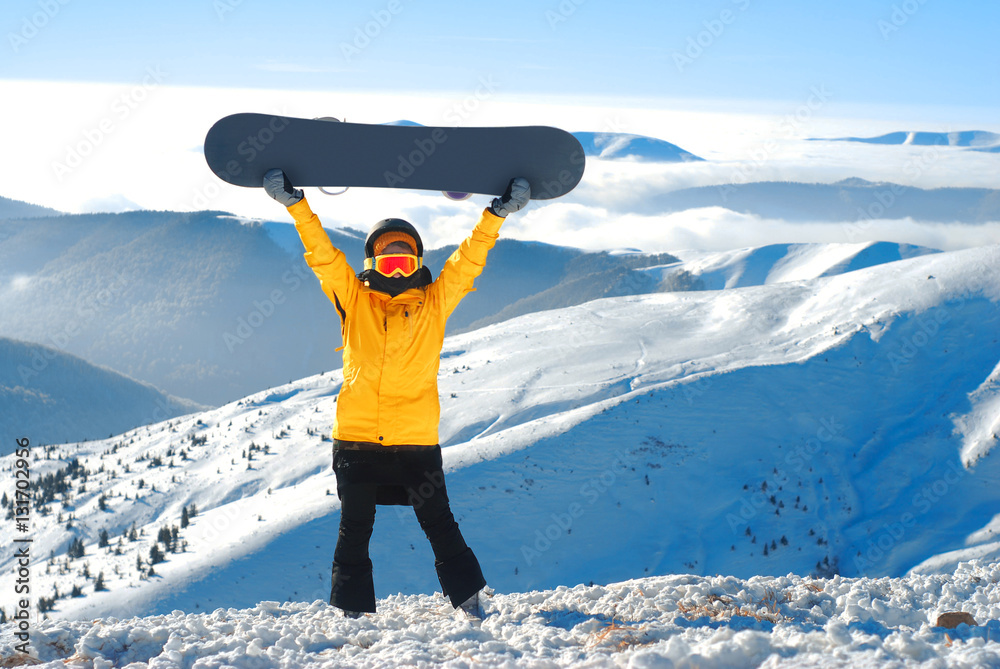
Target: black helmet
x: 390, y: 225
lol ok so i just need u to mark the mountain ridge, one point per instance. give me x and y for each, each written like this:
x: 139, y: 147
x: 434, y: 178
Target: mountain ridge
x: 10, y: 208
x: 52, y: 397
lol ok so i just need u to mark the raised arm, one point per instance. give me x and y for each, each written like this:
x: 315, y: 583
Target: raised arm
x: 327, y: 261
x: 467, y: 262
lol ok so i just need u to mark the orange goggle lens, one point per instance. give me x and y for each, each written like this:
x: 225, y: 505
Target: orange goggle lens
x: 390, y: 263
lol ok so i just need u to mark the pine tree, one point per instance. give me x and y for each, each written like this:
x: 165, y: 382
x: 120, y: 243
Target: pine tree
x: 103, y: 541
x: 155, y: 555
x: 76, y: 549
x: 99, y: 583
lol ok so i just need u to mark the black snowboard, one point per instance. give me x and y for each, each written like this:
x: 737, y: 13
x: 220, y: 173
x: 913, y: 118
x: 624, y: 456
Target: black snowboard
x: 242, y: 147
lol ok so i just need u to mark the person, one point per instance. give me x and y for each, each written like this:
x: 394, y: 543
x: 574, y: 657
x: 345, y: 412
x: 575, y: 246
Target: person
x: 386, y: 448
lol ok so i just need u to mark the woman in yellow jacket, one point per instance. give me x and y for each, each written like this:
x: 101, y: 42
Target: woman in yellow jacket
x: 385, y: 434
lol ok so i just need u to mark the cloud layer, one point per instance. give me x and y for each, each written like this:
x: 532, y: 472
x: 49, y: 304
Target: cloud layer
x: 127, y: 146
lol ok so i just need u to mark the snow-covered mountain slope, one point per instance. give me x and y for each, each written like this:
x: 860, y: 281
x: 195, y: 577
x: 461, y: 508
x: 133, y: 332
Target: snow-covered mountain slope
x: 55, y: 397
x: 841, y: 424
x: 776, y: 263
x: 668, y: 621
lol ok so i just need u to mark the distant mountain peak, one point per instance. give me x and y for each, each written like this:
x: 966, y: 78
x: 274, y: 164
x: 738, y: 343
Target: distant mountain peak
x: 976, y: 139
x: 625, y: 146
x: 854, y: 181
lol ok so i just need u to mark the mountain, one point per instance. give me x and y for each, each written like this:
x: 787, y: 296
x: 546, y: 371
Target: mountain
x: 212, y: 308
x: 51, y: 397
x: 966, y: 138
x: 17, y: 209
x: 847, y: 201
x: 201, y: 305
x: 624, y: 146
x: 522, y: 277
x: 838, y: 425
x: 206, y: 306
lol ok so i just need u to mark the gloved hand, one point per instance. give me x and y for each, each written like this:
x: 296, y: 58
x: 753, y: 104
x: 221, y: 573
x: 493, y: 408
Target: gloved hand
x: 517, y: 195
x: 277, y: 185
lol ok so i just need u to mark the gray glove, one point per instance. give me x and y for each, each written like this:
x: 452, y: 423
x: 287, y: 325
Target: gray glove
x: 517, y: 195
x: 277, y: 185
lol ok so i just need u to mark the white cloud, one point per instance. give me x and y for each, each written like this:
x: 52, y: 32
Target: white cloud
x: 146, y: 157
x: 20, y: 281
x: 718, y: 229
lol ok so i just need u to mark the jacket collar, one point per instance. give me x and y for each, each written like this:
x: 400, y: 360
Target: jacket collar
x: 393, y: 287
x: 411, y: 296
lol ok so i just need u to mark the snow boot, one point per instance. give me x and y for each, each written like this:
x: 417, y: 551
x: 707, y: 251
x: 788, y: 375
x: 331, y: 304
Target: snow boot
x: 473, y: 607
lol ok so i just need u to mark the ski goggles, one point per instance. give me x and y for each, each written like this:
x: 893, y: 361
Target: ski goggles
x: 390, y: 263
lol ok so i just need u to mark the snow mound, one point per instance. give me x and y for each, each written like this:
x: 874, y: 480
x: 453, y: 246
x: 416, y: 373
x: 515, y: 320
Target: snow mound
x: 667, y: 621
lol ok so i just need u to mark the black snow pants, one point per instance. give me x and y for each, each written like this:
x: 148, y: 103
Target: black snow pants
x: 371, y: 474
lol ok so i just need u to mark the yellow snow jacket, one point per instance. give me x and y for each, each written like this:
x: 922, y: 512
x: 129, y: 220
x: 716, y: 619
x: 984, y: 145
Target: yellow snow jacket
x: 392, y: 345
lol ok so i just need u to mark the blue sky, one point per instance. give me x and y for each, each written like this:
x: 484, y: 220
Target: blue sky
x: 897, y: 52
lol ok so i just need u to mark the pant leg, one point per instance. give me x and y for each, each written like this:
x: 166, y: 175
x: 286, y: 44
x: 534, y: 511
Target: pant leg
x: 457, y: 567
x: 353, y: 588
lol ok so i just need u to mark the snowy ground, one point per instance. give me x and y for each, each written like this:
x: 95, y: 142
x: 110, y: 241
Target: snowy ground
x: 666, y: 621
